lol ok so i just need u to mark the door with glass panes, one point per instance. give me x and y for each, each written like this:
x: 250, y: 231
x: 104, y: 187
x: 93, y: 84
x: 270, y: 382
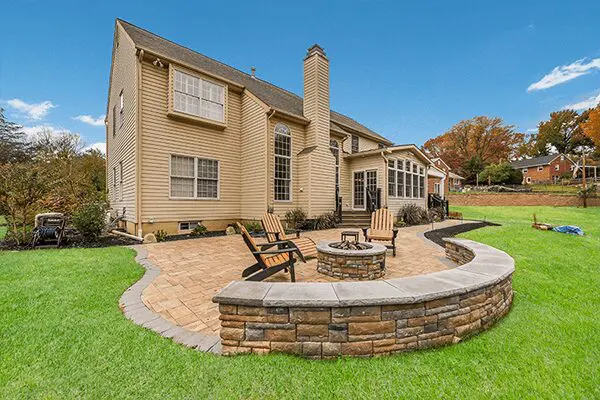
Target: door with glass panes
x: 363, y: 182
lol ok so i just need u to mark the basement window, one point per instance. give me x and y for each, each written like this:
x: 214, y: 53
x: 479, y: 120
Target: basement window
x: 188, y: 226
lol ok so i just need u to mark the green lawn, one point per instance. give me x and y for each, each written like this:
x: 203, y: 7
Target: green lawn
x: 62, y: 334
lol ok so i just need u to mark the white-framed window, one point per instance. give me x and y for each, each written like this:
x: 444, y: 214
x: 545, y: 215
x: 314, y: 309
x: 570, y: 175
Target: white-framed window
x: 335, y: 150
x: 540, y: 168
x: 194, y: 178
x: 121, y: 108
x: 528, y: 179
x: 572, y: 167
x: 525, y: 170
x: 395, y: 178
x: 414, y: 181
x: 282, y: 183
x: 562, y: 158
x: 355, y: 142
x: 198, y: 97
x: 436, y: 188
x: 120, y: 180
x: 114, y: 120
x: 185, y: 226
x: 115, y: 191
x: 421, y: 182
x: 557, y: 167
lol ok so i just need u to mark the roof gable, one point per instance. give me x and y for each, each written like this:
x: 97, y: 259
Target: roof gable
x: 270, y: 94
x: 532, y: 162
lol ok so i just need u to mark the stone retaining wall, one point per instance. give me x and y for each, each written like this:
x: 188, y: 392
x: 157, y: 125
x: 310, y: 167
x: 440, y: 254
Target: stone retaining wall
x: 519, y: 199
x: 326, y: 320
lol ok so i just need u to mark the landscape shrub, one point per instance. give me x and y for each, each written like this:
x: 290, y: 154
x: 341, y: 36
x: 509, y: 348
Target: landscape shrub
x: 253, y: 226
x: 160, y: 235
x: 502, y: 173
x: 295, y: 218
x: 325, y: 221
x: 436, y: 214
x: 200, y: 229
x: 412, y: 214
x: 90, y: 220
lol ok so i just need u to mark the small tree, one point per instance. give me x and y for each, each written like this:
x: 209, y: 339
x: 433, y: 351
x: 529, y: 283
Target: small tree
x: 22, y: 188
x: 501, y: 173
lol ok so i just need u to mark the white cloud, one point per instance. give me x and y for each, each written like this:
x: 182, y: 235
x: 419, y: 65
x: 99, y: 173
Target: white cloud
x: 34, y: 111
x: 590, y: 102
x: 100, y: 146
x: 565, y: 73
x: 88, y: 119
x: 532, y: 130
x: 32, y: 131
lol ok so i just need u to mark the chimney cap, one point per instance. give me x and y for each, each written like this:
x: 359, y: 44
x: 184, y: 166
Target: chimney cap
x: 315, y: 49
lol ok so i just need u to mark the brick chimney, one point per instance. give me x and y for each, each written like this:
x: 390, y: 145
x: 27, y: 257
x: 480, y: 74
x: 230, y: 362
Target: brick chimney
x: 316, y: 96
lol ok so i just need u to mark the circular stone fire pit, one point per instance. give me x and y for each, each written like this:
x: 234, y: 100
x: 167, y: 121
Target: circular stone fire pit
x: 351, y: 260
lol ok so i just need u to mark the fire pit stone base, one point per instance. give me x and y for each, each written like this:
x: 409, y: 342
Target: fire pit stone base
x: 363, y: 261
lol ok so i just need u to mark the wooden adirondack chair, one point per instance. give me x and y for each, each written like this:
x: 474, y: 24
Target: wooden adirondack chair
x: 270, y: 259
x: 382, y: 228
x: 275, y: 233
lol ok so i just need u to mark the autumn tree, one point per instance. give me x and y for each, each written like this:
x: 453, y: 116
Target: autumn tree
x: 472, y: 144
x: 562, y: 133
x: 591, y: 127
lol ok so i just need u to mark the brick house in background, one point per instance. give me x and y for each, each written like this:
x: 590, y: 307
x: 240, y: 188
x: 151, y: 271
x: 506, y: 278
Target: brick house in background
x: 545, y: 168
x: 442, y: 180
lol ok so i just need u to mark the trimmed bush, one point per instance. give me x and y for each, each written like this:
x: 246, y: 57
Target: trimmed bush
x: 90, y: 220
x: 200, y: 229
x: 161, y: 235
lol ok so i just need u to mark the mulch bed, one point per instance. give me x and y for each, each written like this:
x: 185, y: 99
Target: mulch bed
x: 76, y: 242
x: 437, y: 235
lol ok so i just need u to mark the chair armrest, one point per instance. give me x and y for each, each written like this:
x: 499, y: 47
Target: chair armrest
x: 275, y: 251
x: 277, y: 243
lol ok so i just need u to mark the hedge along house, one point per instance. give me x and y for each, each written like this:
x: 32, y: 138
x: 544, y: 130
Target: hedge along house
x: 191, y: 140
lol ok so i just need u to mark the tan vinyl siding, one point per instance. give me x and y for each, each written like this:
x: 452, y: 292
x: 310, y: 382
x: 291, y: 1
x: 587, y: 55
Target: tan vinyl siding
x: 254, y: 183
x: 163, y: 136
x: 364, y: 144
x: 121, y: 147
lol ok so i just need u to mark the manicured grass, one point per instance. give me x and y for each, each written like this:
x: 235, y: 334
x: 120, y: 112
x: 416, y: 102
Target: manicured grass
x: 62, y: 334
x: 563, y: 189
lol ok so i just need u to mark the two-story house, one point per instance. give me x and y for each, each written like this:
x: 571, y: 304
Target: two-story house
x: 191, y: 139
x: 545, y: 168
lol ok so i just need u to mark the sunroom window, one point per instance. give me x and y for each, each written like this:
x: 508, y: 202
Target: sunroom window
x: 198, y: 97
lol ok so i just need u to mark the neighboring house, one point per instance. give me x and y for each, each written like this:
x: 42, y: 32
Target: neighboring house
x: 442, y: 180
x: 545, y: 168
x: 456, y: 182
x: 190, y: 139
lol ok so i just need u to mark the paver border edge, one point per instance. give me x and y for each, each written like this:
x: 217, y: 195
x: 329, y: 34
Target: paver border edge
x: 135, y: 309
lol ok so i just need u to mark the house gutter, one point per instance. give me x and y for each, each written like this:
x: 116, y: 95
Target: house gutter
x: 138, y: 140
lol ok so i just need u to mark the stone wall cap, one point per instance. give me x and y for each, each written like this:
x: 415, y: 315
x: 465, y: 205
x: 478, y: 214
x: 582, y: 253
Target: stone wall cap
x: 488, y: 267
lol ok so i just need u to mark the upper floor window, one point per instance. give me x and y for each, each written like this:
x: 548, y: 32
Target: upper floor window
x: 540, y: 168
x: 557, y: 167
x: 194, y: 178
x: 199, y: 97
x: 121, y: 108
x: 354, y: 144
x: 114, y: 120
x: 381, y: 146
x: 283, y: 163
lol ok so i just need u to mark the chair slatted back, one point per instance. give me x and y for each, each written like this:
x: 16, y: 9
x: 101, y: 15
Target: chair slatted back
x: 249, y: 240
x: 271, y: 223
x: 382, y: 220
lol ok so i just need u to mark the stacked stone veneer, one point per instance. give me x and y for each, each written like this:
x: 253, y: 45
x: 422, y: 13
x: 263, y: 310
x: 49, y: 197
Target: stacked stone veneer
x: 325, y: 320
x: 351, y: 264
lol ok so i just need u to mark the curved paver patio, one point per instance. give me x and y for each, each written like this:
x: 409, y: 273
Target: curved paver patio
x: 193, y: 271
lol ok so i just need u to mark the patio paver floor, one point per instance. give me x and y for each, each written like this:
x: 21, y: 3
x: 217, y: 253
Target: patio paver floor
x: 192, y: 271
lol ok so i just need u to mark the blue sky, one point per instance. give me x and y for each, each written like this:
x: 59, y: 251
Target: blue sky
x: 408, y: 70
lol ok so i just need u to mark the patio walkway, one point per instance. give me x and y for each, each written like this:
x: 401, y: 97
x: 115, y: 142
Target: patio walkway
x: 192, y: 271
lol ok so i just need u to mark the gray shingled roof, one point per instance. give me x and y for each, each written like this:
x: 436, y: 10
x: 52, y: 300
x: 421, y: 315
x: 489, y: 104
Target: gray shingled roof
x: 532, y: 162
x: 267, y: 92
